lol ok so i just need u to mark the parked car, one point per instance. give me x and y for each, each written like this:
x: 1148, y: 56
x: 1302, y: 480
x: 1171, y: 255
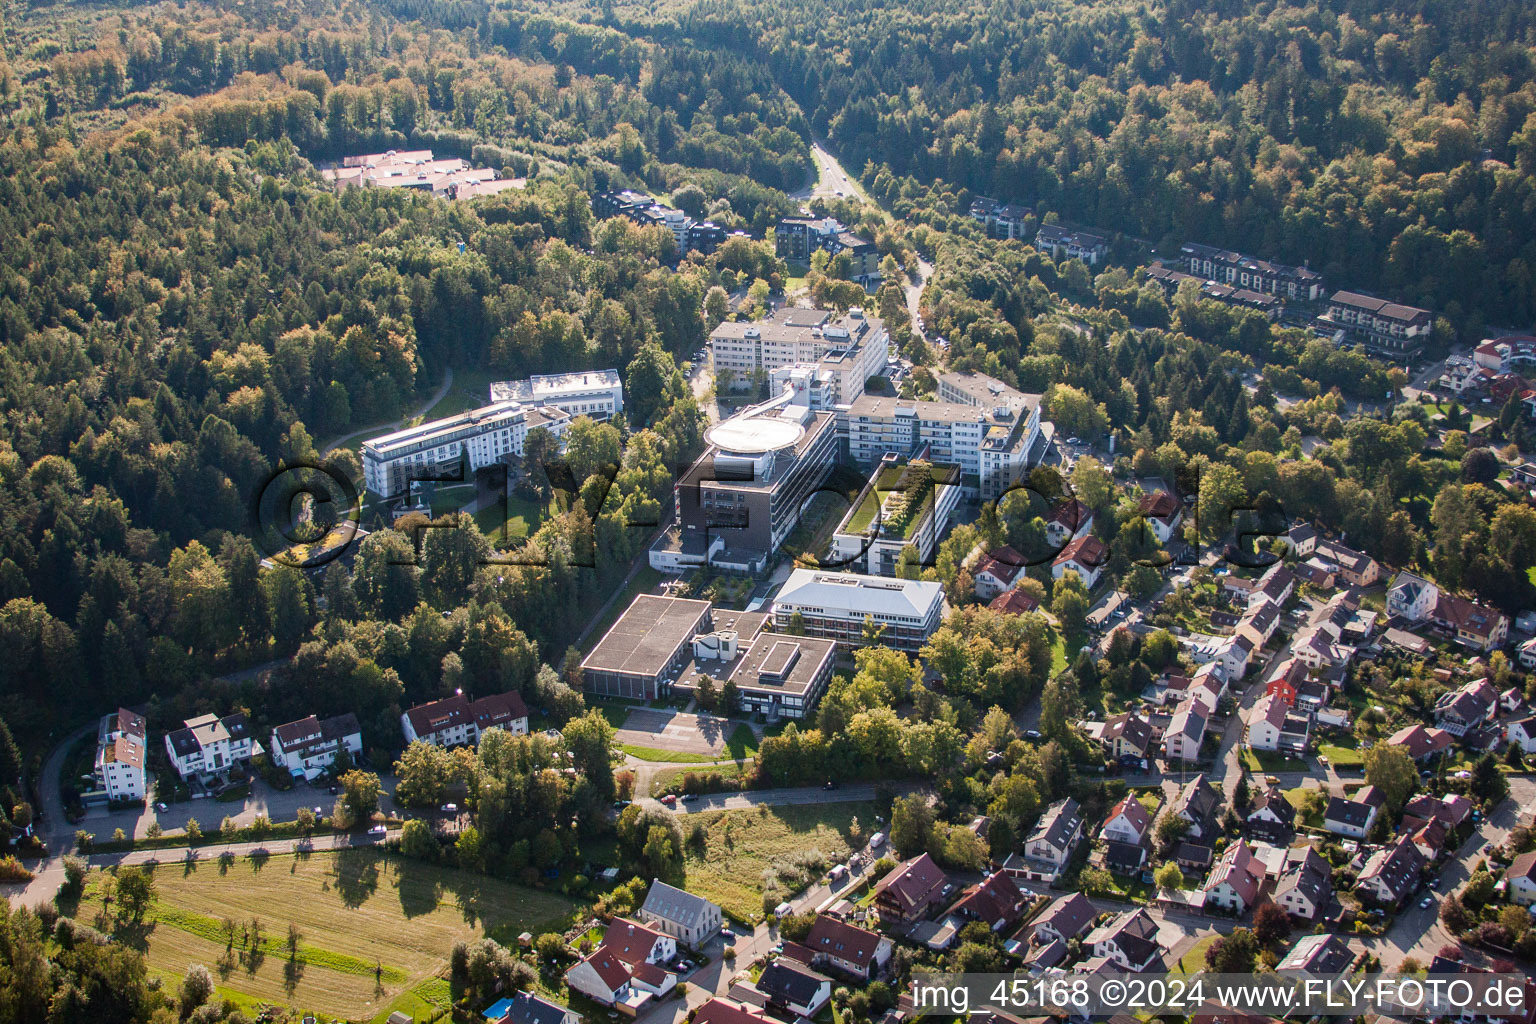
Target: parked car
x: 877, y: 840
x: 670, y: 799
x: 161, y: 807
x: 378, y: 830
x: 689, y: 798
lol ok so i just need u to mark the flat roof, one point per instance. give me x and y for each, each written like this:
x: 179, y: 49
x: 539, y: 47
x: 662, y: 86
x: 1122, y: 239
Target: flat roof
x: 774, y: 653
x: 646, y: 636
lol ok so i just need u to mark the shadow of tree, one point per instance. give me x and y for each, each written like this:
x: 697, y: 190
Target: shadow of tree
x: 258, y: 859
x: 189, y: 863
x: 293, y: 973
x: 356, y: 876
x: 419, y: 888
x: 133, y: 934
x: 226, y: 860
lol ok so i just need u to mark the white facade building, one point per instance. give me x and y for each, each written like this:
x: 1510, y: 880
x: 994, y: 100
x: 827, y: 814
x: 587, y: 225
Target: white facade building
x: 309, y: 745
x: 486, y: 435
x: 208, y: 745
x: 120, y: 750
x: 835, y: 605
x: 595, y: 393
x: 848, y: 350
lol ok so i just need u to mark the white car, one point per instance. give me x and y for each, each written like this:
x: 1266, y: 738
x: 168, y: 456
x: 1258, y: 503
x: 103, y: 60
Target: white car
x: 377, y: 830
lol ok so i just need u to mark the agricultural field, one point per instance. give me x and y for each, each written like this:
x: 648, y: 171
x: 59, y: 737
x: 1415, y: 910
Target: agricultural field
x: 741, y: 845
x: 373, y: 930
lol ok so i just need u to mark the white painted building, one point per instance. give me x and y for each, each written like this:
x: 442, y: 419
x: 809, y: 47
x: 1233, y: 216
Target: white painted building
x: 457, y: 721
x: 835, y: 605
x: 120, y: 749
x: 308, y: 746
x: 598, y: 394
x: 487, y: 435
x: 210, y: 745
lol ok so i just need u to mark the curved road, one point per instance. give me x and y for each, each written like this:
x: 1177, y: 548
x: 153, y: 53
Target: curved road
x: 380, y: 428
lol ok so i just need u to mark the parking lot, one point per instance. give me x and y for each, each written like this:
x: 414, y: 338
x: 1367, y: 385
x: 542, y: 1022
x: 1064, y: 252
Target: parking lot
x: 277, y: 805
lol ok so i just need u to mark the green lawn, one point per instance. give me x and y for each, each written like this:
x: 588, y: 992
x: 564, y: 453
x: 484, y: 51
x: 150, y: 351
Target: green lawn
x: 1193, y: 962
x: 1294, y: 796
x: 1271, y: 761
x: 373, y: 930
x: 1341, y: 757
x: 518, y: 522
x: 471, y: 389
x: 668, y: 756
x: 742, y: 743
x: 666, y: 777
x: 741, y: 845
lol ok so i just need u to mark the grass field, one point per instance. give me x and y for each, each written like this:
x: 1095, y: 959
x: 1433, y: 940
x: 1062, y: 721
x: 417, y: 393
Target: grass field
x: 1194, y: 960
x: 1271, y: 761
x: 1341, y: 757
x: 665, y: 777
x: 741, y: 844
x: 373, y: 929
x: 668, y: 756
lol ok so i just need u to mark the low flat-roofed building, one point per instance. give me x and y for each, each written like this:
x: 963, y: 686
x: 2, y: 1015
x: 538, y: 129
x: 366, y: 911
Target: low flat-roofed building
x: 779, y: 675
x: 836, y: 605
x: 598, y: 394
x: 642, y: 653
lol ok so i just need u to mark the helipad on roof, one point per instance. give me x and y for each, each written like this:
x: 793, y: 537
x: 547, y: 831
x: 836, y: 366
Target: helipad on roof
x: 755, y: 435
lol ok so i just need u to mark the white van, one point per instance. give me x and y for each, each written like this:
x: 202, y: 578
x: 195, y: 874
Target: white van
x: 877, y: 840
x: 783, y: 910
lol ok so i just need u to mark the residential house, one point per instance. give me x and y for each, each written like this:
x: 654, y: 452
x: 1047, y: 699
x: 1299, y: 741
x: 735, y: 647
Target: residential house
x: 1163, y: 513
x: 1301, y: 539
x: 1522, y: 733
x: 1127, y: 858
x: 996, y: 901
x: 997, y: 572
x: 1411, y: 597
x: 1086, y: 556
x: 1236, y: 880
x: 1422, y: 743
x: 1391, y: 873
x: 1453, y: 809
x: 1272, y: 818
x: 626, y: 968
x: 848, y: 949
x: 1317, y: 574
x: 727, y: 1011
x: 1067, y: 918
x: 121, y: 743
x: 1276, y: 585
x: 1050, y: 845
x: 1305, y: 886
x: 1512, y: 702
x: 531, y: 1008
x: 1128, y: 822
x: 1129, y: 939
x: 1415, y: 599
x: 1470, y: 707
x: 1287, y: 682
x: 1199, y: 804
x: 691, y: 920
x: 911, y: 889
x: 208, y: 745
x: 1064, y: 244
x: 1066, y: 521
x: 1318, y: 956
x: 1357, y: 569
x: 457, y: 721
x: 1126, y: 735
x: 1259, y: 623
x: 794, y: 987
x: 1014, y: 602
x: 1430, y: 839
x: 1354, y: 817
x: 310, y: 745
x: 1266, y: 721
x: 1186, y: 731
x: 1520, y: 879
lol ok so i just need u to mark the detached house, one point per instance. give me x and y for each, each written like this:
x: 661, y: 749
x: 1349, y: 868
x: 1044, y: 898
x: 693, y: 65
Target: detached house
x: 457, y: 721
x: 1236, y: 879
x: 1354, y: 817
x: 1318, y: 956
x: 1391, y: 873
x: 626, y: 968
x: 1521, y: 879
x: 1416, y: 599
x: 1422, y: 743
x: 1050, y: 845
x: 1067, y: 918
x: 1067, y: 521
x: 1128, y: 822
x: 910, y: 891
x: 121, y: 743
x: 1086, y: 557
x: 1163, y: 513
x: 995, y: 901
x: 691, y: 920
x: 1305, y: 886
x: 1357, y: 569
x: 997, y: 572
x: 1126, y: 735
x: 1129, y: 940
x: 209, y: 745
x: 1186, y: 731
x: 1468, y: 708
x: 1272, y: 818
x: 1199, y: 804
x: 794, y: 987
x: 310, y: 745
x: 852, y: 951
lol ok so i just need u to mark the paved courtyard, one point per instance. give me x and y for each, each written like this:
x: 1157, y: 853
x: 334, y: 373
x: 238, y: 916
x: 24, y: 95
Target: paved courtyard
x: 686, y: 732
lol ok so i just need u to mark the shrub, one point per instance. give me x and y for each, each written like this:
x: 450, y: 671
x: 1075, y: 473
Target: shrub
x: 12, y: 870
